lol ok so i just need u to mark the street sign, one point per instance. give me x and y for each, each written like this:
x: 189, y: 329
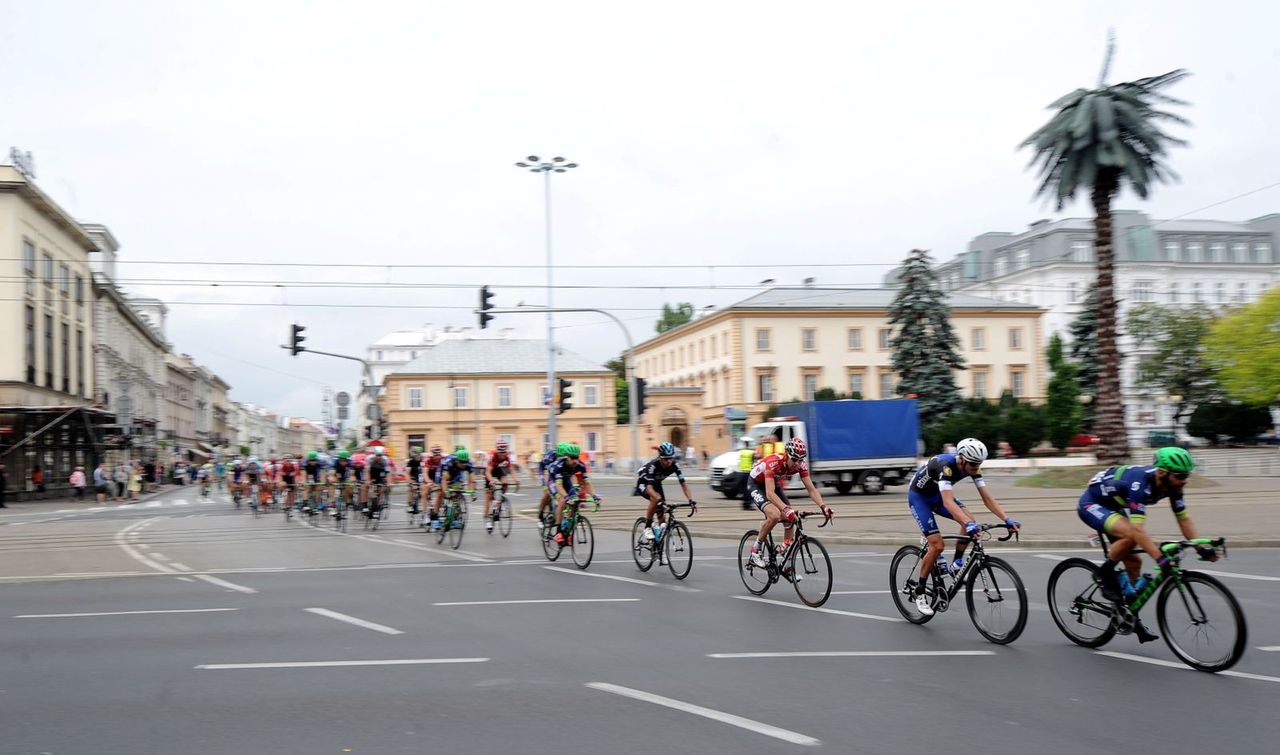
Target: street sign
x: 342, y: 399
x: 344, y: 412
x: 373, y: 412
x: 732, y: 414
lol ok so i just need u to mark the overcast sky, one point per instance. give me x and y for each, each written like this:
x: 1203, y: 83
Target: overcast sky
x: 708, y: 133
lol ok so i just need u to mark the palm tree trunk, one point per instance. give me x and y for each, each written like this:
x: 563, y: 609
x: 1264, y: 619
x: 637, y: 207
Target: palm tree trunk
x: 1113, y: 442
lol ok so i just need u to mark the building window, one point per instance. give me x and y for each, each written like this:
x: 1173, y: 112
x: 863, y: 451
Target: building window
x: 1017, y: 383
x: 856, y: 387
x: 459, y: 397
x: 713, y: 347
x: 978, y: 338
x: 762, y: 339
x: 764, y: 386
x: 1217, y: 251
x: 1081, y: 251
x: 1022, y: 259
x: 1220, y: 293
x: 80, y: 362
x: 1195, y: 252
x: 855, y: 339
x: 415, y: 398
x: 591, y: 441
x: 504, y: 397
x: 48, y: 269
x: 1239, y: 252
x: 31, y: 345
x: 79, y: 291
x: 1142, y: 291
x: 999, y: 267
x: 809, y: 339
x: 591, y: 394
x: 416, y: 440
x: 702, y: 350
x: 979, y: 383
x: 545, y: 394
x: 1241, y: 292
x: 888, y: 385
x: 1073, y: 293
x: 379, y: 356
x: 48, y: 351
x: 886, y: 338
x: 1015, y: 338
x: 1173, y: 293
x: 1262, y: 252
x: 66, y: 357
x: 1172, y: 251
x: 810, y: 386
x: 1197, y: 292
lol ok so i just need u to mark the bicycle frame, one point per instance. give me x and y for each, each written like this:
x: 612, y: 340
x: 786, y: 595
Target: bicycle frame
x: 775, y: 561
x: 974, y: 556
x: 1174, y: 551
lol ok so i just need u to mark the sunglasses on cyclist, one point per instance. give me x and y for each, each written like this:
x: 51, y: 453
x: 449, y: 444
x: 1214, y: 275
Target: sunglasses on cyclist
x: 1179, y: 475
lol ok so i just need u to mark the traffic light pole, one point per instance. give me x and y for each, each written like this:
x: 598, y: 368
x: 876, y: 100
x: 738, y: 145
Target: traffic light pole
x: 628, y: 369
x: 369, y: 388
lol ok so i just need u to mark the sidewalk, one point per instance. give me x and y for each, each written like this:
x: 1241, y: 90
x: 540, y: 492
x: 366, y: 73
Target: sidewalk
x: 35, y: 507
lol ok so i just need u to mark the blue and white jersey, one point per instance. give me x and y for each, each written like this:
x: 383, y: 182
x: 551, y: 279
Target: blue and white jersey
x: 1131, y: 490
x: 940, y: 473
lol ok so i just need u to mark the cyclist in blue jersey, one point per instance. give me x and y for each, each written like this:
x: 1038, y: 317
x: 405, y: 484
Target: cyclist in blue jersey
x: 456, y: 468
x: 649, y: 484
x: 569, y: 474
x: 931, y: 493
x: 544, y: 464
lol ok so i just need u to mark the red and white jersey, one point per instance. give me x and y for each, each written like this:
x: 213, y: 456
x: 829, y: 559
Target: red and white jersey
x: 269, y: 471
x: 778, y: 468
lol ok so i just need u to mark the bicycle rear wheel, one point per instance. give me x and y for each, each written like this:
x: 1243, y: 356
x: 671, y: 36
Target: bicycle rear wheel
x: 1077, y: 604
x: 1205, y: 628
x: 456, y: 529
x: 811, y: 572
x: 446, y: 521
x: 582, y: 542
x: 905, y: 568
x: 679, y: 548
x: 755, y: 578
x: 997, y: 601
x: 505, y: 516
x: 642, y: 552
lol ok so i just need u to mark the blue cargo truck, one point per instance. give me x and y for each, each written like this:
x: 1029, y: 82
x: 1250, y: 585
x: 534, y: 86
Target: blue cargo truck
x: 852, y: 444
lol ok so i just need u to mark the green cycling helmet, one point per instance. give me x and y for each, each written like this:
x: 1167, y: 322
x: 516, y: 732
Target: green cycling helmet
x: 344, y: 454
x: 461, y: 454
x: 1174, y: 459
x: 571, y: 450
x: 560, y: 448
x: 312, y: 455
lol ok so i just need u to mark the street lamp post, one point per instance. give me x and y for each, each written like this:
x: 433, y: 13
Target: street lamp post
x: 546, y: 168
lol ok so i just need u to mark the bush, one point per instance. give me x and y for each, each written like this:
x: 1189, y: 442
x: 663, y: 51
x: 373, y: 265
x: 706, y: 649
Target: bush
x: 1017, y: 422
x: 1218, y: 419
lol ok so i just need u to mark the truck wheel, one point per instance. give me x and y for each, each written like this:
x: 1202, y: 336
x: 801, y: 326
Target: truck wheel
x: 871, y: 483
x: 844, y: 488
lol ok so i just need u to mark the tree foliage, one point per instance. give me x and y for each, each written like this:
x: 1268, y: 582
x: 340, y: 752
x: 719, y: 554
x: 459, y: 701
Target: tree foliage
x: 674, y: 317
x: 1084, y: 352
x: 1225, y: 419
x: 1245, y: 346
x: 621, y: 391
x: 1016, y: 422
x: 1174, y: 358
x: 1062, y: 410
x: 925, y: 354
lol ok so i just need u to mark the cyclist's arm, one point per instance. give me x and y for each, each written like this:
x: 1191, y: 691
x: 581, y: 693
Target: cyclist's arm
x: 990, y: 502
x: 814, y: 495
x: 771, y: 492
x: 949, y: 503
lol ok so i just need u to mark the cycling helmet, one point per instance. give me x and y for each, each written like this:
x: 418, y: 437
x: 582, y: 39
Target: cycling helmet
x: 253, y: 459
x: 416, y: 450
x: 461, y: 454
x: 501, y: 447
x: 561, y: 448
x: 1174, y: 459
x: 436, y: 450
x: 972, y: 450
x: 796, y: 449
x: 313, y: 455
x: 571, y: 450
x: 666, y: 451
x: 379, y: 450
x: 344, y: 454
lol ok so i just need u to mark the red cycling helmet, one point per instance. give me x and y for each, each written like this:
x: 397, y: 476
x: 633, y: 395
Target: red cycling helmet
x: 501, y: 447
x: 796, y: 449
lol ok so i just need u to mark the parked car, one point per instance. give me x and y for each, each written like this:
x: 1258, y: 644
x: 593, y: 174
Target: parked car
x: 1271, y: 439
x: 1082, y: 440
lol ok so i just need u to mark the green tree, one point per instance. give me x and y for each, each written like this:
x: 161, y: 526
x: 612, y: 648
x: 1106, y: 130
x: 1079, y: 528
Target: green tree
x: 1062, y: 410
x: 1245, y: 346
x: 621, y: 392
x: 674, y: 317
x: 1023, y: 427
x: 925, y: 355
x: 1214, y: 420
x: 1096, y: 141
x: 1084, y: 352
x: 1175, y: 359
x: 831, y: 394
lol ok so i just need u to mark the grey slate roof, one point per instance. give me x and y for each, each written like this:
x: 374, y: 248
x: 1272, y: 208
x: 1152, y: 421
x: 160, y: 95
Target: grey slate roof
x: 506, y: 355
x: 856, y: 298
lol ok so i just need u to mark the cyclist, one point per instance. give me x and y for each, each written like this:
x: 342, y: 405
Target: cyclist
x: 767, y: 488
x: 205, y: 475
x: 344, y: 475
x: 219, y: 472
x: 569, y: 473
x: 456, y: 468
x: 377, y: 469
x: 649, y: 484
x: 548, y: 491
x: 498, y: 466
x: 270, y: 481
x: 313, y: 477
x: 1115, y: 505
x: 413, y: 469
x: 237, y: 471
x: 252, y: 470
x: 931, y: 492
x: 288, y: 479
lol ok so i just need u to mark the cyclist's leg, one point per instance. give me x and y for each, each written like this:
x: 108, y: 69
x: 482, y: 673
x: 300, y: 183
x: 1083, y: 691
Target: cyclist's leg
x: 922, y: 510
x: 488, y: 497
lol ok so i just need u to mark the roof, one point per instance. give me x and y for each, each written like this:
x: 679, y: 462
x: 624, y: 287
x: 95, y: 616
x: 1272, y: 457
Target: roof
x: 405, y: 338
x: 857, y: 298
x: 480, y: 356
x: 13, y: 181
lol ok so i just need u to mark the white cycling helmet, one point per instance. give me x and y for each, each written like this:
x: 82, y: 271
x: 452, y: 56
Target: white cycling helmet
x: 972, y: 450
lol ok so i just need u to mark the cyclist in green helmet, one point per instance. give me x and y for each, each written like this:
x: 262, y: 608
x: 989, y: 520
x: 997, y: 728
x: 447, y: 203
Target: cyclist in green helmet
x: 456, y: 468
x: 569, y: 474
x: 544, y: 464
x: 1115, y: 505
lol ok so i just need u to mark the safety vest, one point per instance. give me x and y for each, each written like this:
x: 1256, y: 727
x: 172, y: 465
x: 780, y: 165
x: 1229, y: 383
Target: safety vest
x: 746, y: 459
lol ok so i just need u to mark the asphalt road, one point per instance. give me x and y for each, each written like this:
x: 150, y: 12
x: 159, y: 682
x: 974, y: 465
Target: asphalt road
x: 184, y: 626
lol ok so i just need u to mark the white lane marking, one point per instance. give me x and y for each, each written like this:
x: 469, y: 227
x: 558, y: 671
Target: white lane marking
x: 185, y: 579
x: 224, y: 583
x: 819, y: 610
x: 1177, y: 665
x: 856, y: 654
x: 152, y: 505
x: 1051, y: 557
x: 551, y: 600
x: 859, y: 592
x: 159, y: 557
x: 98, y: 508
x: 353, y: 620
x: 602, y: 576
x: 1269, y: 648
x: 121, y: 613
x: 180, y: 567
x: 785, y: 735
x: 328, y: 664
x: 467, y: 555
x: 142, y: 546
x: 182, y: 503
x: 1236, y: 575
x: 133, y: 553
x: 402, y: 544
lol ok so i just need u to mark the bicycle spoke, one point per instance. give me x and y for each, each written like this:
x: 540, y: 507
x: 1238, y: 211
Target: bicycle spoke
x: 1206, y: 627
x: 811, y: 571
x: 997, y: 601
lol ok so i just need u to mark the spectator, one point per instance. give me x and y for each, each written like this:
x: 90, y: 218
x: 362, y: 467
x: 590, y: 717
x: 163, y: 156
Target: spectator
x: 77, y: 482
x: 4, y: 483
x: 135, y: 481
x: 37, y: 481
x: 690, y: 456
x: 101, y: 482
x: 706, y: 458
x: 121, y: 478
x: 149, y: 475
x: 608, y: 462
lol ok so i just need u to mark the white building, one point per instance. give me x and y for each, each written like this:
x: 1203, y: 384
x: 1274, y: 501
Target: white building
x: 1172, y: 262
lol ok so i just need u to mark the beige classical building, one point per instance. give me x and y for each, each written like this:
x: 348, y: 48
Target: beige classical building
x: 474, y: 392
x: 788, y: 343
x: 178, y: 427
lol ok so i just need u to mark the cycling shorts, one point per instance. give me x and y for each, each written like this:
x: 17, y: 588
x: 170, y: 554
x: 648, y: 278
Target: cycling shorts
x: 1097, y: 516
x: 642, y: 489
x: 925, y: 507
x: 288, y: 479
x: 253, y: 478
x: 756, y: 492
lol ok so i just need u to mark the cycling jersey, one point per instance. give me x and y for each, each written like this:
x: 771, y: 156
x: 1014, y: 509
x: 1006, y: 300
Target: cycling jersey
x: 779, y: 468
x: 653, y: 474
x: 312, y: 470
x: 433, y: 467
x: 1125, y: 491
x: 569, y: 477
x: 342, y: 470
x: 236, y: 471
x: 288, y: 468
x: 499, y: 464
x: 546, y: 461
x: 941, y: 473
x: 458, y: 471
x: 378, y: 469
x: 414, y: 468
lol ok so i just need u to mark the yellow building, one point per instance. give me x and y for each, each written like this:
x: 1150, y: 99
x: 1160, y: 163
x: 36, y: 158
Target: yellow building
x: 788, y: 343
x: 474, y: 392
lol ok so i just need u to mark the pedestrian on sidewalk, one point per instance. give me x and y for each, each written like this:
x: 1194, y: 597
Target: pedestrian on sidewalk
x: 149, y: 476
x: 121, y: 479
x: 37, y: 481
x: 77, y: 482
x: 135, y: 481
x: 4, y: 483
x: 100, y: 482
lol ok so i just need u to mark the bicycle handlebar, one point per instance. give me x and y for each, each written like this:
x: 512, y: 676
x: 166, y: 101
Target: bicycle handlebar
x: 826, y: 515
x: 1173, y: 547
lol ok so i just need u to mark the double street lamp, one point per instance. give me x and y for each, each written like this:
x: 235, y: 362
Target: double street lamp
x: 546, y: 168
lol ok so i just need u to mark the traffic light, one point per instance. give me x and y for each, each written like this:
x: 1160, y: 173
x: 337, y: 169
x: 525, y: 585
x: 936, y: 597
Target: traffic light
x: 640, y: 382
x: 368, y: 432
x: 485, y: 306
x: 296, y: 339
x: 383, y: 428
x: 565, y: 396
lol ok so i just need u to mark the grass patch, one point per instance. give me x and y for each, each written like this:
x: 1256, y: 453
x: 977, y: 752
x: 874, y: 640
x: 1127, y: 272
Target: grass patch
x: 1078, y: 478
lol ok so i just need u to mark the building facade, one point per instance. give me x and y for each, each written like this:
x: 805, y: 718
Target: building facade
x: 179, y: 428
x: 1170, y: 262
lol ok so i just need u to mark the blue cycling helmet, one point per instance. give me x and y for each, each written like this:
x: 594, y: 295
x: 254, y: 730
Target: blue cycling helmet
x: 667, y: 451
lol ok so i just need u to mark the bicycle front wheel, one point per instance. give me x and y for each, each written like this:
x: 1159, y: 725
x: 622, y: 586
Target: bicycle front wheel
x: 505, y: 516
x: 811, y: 572
x: 547, y: 534
x: 1077, y: 605
x: 755, y: 578
x: 456, y: 528
x: 679, y: 548
x: 1205, y: 627
x: 582, y: 542
x: 642, y: 552
x: 997, y: 601
x: 904, y: 571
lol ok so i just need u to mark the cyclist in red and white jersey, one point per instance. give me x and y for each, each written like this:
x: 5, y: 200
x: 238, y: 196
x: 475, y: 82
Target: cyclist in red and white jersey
x: 499, y: 466
x: 766, y: 487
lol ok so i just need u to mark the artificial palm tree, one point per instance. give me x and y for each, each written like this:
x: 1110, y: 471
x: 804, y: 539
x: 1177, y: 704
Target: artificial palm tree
x: 1096, y: 141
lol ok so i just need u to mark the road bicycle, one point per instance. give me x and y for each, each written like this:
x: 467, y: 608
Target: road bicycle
x: 671, y: 544
x: 812, y: 581
x: 993, y: 591
x: 575, y: 526
x: 500, y: 510
x: 379, y: 507
x: 413, y: 503
x: 1200, y: 619
x: 453, y: 519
